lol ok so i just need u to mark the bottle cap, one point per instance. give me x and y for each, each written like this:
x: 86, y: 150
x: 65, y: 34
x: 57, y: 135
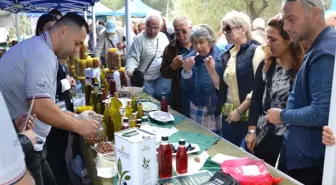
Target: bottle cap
x: 139, y: 121
x: 164, y: 138
x: 144, y: 118
x: 182, y: 142
x: 125, y: 120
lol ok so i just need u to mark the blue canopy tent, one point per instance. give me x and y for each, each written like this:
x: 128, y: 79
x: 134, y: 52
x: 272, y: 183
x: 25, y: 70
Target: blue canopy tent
x: 137, y: 9
x: 44, y: 6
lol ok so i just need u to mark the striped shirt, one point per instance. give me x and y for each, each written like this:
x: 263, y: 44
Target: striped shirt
x: 143, y: 50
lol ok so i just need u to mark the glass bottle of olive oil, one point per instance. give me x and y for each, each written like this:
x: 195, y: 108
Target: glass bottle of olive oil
x: 87, y: 91
x: 129, y: 109
x: 115, y: 113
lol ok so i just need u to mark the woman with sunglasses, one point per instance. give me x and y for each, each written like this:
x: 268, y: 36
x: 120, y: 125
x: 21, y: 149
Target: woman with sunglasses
x: 273, y: 82
x: 234, y: 80
x: 196, y: 80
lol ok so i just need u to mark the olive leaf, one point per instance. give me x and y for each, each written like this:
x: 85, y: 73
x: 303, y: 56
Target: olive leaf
x: 127, y: 177
x: 119, y: 166
x: 148, y: 161
x: 144, y: 160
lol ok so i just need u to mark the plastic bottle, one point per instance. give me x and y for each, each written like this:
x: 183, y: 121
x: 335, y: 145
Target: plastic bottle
x: 164, y: 103
x: 113, y: 88
x: 181, y: 158
x: 79, y: 89
x: 165, y: 159
x: 116, y: 77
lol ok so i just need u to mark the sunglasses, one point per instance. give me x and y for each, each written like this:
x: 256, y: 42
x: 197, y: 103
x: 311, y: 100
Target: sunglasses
x: 310, y: 3
x: 177, y: 32
x: 228, y: 29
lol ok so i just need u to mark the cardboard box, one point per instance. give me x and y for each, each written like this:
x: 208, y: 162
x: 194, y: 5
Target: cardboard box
x: 136, y: 157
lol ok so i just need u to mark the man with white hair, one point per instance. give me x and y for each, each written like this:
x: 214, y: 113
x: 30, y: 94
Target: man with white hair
x: 145, y: 55
x: 172, y: 63
x: 308, y: 104
x: 258, y: 31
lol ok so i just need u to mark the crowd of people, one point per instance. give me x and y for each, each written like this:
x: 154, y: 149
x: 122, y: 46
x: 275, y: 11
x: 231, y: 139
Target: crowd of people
x: 267, y: 89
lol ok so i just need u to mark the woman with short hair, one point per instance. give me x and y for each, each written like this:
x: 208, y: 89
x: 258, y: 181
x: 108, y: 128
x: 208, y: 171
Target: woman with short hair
x: 196, y: 80
x: 234, y: 81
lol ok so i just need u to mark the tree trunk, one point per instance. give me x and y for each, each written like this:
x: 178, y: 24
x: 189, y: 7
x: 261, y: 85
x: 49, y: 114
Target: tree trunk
x: 253, y: 11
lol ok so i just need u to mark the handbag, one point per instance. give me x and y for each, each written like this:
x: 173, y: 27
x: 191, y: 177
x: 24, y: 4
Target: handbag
x: 138, y: 77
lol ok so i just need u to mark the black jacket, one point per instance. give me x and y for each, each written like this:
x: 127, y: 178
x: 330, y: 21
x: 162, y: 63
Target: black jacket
x: 66, y: 95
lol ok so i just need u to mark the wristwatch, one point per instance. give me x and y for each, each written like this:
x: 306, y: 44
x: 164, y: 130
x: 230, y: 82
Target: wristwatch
x: 251, y: 131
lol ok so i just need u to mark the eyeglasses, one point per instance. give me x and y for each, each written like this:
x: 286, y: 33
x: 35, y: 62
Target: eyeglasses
x: 228, y: 29
x: 177, y: 32
x: 152, y: 28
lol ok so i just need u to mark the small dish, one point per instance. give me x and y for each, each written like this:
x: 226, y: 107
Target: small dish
x: 160, y: 116
x: 149, y: 106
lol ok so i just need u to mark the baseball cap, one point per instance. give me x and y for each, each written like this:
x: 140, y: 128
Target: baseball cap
x: 111, y: 26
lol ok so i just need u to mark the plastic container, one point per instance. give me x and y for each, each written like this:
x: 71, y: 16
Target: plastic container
x: 111, y: 55
x: 164, y: 103
x: 181, y: 158
x: 165, y: 159
x: 79, y: 89
x: 116, y: 77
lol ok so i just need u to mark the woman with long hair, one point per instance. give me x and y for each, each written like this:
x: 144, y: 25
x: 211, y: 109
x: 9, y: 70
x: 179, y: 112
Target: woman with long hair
x: 44, y: 23
x: 273, y: 82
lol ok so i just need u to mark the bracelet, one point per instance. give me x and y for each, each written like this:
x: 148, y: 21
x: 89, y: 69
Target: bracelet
x: 238, y: 111
x: 252, y: 131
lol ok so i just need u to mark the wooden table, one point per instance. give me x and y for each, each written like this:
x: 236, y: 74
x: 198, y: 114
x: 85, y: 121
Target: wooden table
x: 222, y: 146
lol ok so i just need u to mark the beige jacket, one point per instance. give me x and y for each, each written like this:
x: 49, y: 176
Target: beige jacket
x: 104, y: 43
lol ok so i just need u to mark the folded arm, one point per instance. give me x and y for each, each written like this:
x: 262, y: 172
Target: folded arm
x: 320, y: 84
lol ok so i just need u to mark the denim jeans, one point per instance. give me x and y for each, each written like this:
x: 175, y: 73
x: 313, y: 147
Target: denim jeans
x: 149, y: 87
x: 39, y: 168
x: 158, y: 86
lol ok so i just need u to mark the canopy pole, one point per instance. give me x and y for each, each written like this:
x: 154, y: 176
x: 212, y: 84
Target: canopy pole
x: 128, y: 25
x: 330, y: 153
x: 17, y: 27
x: 85, y: 15
x: 94, y: 34
x: 167, y: 11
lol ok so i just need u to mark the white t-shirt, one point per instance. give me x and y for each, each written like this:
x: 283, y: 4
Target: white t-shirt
x: 12, y: 164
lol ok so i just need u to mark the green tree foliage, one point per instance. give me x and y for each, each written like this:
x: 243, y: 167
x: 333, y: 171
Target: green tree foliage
x: 113, y: 4
x: 160, y: 5
x: 212, y: 11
